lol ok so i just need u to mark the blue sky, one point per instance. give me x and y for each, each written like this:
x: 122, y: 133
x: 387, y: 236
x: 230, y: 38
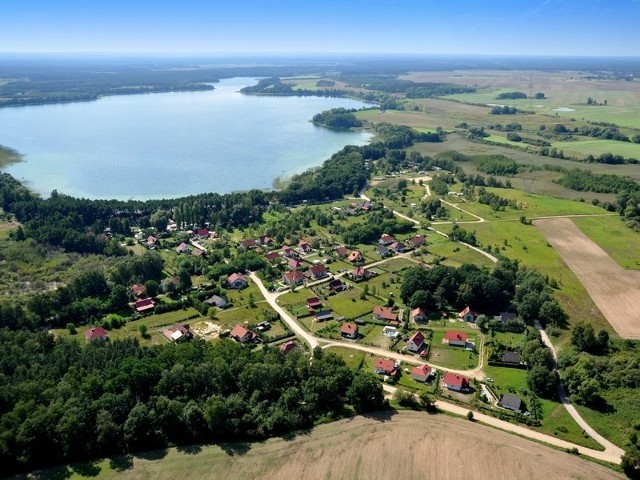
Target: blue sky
x: 509, y: 27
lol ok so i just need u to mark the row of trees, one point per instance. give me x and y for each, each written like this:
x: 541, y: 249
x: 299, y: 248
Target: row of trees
x: 63, y: 402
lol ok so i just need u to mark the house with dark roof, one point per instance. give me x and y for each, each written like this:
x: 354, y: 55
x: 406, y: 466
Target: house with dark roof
x: 289, y: 252
x: 385, y: 366
x: 386, y: 314
x: 241, y: 334
x: 383, y: 251
x: 203, y: 233
x: 216, y: 301
x: 287, y: 346
x: 455, y: 382
x: 144, y: 305
x: 316, y: 272
x: 271, y: 256
x: 416, y: 241
x: 341, y: 251
x: 422, y: 373
x: 95, y: 333
x: 349, y: 330
x: 139, y: 290
x: 248, y: 244
x: 360, y: 273
x: 313, y: 304
x: 511, y: 402
x: 265, y: 241
x: 386, y: 239
x: 467, y: 315
x: 455, y: 339
x: 236, y: 281
x: 336, y: 285
x: 304, y: 247
x: 512, y: 358
x: 323, y: 315
x: 416, y: 342
x: 505, y: 317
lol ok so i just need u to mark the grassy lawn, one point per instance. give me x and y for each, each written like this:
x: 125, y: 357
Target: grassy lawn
x: 349, y: 305
x: 614, y: 237
x: 582, y: 148
x: 452, y: 357
x: 230, y: 317
x: 354, y: 359
x: 372, y: 335
x: 241, y: 297
x: 456, y: 254
x: 395, y: 265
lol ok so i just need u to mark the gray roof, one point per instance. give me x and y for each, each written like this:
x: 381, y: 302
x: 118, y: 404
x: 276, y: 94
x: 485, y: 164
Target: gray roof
x: 215, y: 300
x: 510, y: 357
x: 511, y: 402
x: 505, y: 317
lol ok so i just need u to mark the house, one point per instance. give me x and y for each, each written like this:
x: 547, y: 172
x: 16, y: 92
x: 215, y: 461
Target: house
x: 178, y: 333
x: 512, y: 358
x: 313, y: 303
x: 422, y: 373
x: 359, y: 274
x: 316, y: 272
x: 416, y: 342
x: 271, y: 256
x: 355, y: 257
x: 248, y: 244
x: 342, y: 251
x: 95, y: 333
x: 385, y: 366
x: 138, y: 290
x: 216, y: 301
x: 349, y: 330
x: 323, y: 315
x: 455, y: 382
x: 241, y: 334
x: 304, y: 247
x: 293, y: 277
x: 416, y: 241
x: 511, y: 402
x: 389, y: 331
x: 144, y: 305
x: 265, y: 241
x: 418, y: 315
x: 455, y: 339
x: 386, y: 314
x: 152, y: 242
x: 505, y: 317
x: 397, y: 247
x: 263, y: 326
x: 386, y: 239
x: 236, y: 281
x: 196, y: 252
x: 383, y: 251
x: 183, y: 248
x: 467, y: 315
x: 336, y: 285
x: 289, y: 252
x: 203, y: 233
x: 286, y: 347
x: 295, y: 263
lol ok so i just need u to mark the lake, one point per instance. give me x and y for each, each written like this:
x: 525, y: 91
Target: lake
x: 170, y: 144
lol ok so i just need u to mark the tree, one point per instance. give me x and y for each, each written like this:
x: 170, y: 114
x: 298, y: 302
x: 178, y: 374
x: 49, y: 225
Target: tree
x: 152, y: 288
x: 118, y: 298
x: 542, y: 381
x: 470, y: 416
x: 539, y: 96
x: 551, y: 313
x: 144, y: 330
x: 365, y: 393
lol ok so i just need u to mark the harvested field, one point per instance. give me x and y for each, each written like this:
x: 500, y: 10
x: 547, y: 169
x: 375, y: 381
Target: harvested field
x: 614, y: 290
x: 407, y: 445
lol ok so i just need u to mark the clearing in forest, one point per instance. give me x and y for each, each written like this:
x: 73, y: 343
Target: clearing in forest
x: 614, y: 290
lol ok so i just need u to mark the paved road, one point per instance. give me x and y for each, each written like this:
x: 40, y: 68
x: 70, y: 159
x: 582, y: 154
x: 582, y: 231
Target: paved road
x: 612, y: 457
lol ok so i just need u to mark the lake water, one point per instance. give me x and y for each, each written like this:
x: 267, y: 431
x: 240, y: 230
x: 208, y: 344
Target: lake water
x: 170, y: 144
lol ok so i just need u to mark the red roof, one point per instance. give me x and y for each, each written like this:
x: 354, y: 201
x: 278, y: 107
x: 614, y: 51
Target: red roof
x: 203, y: 232
x: 349, y: 329
x: 144, y: 305
x: 138, y: 290
x: 183, y: 247
x: 451, y: 335
x: 456, y: 380
x: 286, y: 347
x: 385, y: 364
x: 293, y: 276
x: 248, y: 243
x: 385, y: 313
x: 317, y: 270
x: 417, y: 338
x: 314, y: 302
x: 240, y: 332
x: 417, y: 312
x: 386, y: 239
x: 295, y: 263
x: 341, y: 251
x: 304, y: 245
x: 355, y: 256
x: 424, y: 370
x: 151, y: 240
x: 95, y: 333
x: 416, y: 241
x: 464, y: 312
x: 272, y: 256
x: 234, y: 277
x: 359, y: 272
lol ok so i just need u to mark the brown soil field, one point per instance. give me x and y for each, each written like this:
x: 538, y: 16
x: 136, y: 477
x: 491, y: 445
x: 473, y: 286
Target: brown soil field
x: 614, y: 290
x: 408, y: 445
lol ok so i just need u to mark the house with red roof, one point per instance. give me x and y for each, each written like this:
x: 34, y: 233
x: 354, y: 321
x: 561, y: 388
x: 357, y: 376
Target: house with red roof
x: 289, y: 252
x: 271, y: 256
x: 286, y: 347
x: 418, y: 315
x: 313, y: 303
x: 144, y: 305
x: 152, y: 242
x: 397, y: 247
x: 416, y: 342
x: 349, y: 330
x: 265, y: 240
x: 236, y: 281
x: 317, y: 271
x: 95, y: 333
x: 360, y: 273
x: 304, y: 247
x: 385, y: 366
x: 455, y: 339
x: 386, y: 239
x: 455, y: 382
x: 355, y: 257
x: 203, y: 233
x: 416, y: 241
x: 467, y: 315
x: 385, y: 314
x: 342, y: 251
x: 178, y: 333
x: 293, y: 277
x: 248, y: 244
x: 241, y: 334
x: 295, y: 264
x: 336, y: 285
x: 183, y: 248
x: 421, y: 373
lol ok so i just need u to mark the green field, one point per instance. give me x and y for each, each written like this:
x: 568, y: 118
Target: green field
x: 614, y: 237
x: 582, y: 148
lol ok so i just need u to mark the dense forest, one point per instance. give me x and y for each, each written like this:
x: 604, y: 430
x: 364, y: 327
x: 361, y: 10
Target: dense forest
x: 338, y: 118
x: 61, y: 401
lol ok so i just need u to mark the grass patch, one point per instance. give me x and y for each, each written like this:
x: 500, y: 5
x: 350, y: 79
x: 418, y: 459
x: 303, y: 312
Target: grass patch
x: 614, y: 237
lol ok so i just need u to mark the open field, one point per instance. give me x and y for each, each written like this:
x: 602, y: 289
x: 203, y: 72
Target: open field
x: 582, y: 148
x: 408, y: 445
x: 614, y: 237
x: 614, y: 290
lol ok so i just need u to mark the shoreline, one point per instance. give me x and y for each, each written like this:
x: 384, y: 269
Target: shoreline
x: 9, y: 156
